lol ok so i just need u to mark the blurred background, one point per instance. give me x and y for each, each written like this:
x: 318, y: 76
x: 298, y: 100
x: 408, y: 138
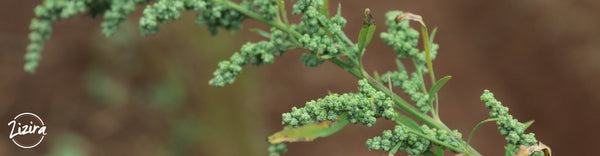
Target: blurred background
x: 133, y: 95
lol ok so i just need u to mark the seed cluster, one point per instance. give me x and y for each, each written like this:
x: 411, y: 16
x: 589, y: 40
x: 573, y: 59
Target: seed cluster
x: 213, y: 14
x: 511, y: 128
x: 403, y: 139
x: 319, y: 34
x: 41, y: 26
x: 411, y: 86
x: 401, y: 36
x: 116, y: 13
x: 259, y: 53
x: 363, y: 107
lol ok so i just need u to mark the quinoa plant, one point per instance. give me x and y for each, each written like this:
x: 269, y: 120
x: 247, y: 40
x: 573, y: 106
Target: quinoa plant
x: 321, y: 35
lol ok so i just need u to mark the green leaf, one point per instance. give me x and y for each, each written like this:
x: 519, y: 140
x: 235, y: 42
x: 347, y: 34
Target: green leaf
x: 429, y: 153
x: 365, y: 36
x: 394, y: 149
x: 370, y: 33
x: 527, y: 124
x: 339, y: 10
x: 437, y: 86
x: 261, y: 32
x: 308, y: 132
x: 325, y: 9
x: 400, y: 65
x: 431, y: 37
x: 376, y: 76
x: 510, y: 150
x: 366, y: 33
x: 439, y: 150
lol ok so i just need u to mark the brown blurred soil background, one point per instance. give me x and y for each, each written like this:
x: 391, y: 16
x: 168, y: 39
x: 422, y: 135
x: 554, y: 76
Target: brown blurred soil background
x: 133, y: 95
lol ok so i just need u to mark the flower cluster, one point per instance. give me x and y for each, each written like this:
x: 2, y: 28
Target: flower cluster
x: 404, y: 39
x: 311, y: 60
x: 411, y: 86
x: 511, y: 128
x: 448, y: 137
x: 303, y: 5
x: 320, y: 35
x: 267, y: 8
x: 116, y: 13
x: 217, y: 15
x: 259, y: 53
x: 323, y: 45
x: 41, y: 26
x: 214, y: 14
x: 402, y: 139
x: 401, y: 36
x: 384, y: 105
x: 364, y: 107
x: 162, y: 11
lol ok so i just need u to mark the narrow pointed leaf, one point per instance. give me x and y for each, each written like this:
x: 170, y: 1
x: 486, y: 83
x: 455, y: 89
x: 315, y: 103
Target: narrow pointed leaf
x: 365, y: 36
x: 394, y: 149
x: 308, y: 132
x: 439, y: 150
x: 339, y: 10
x: 261, y: 32
x: 432, y: 36
x: 366, y: 32
x: 429, y: 153
x: 437, y: 86
x: 510, y: 148
x: 370, y: 33
x: 400, y: 65
x: 528, y: 123
x: 376, y: 76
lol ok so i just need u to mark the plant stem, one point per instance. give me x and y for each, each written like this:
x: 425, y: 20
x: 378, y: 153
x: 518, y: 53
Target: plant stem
x: 347, y: 39
x: 426, y: 46
x: 283, y: 11
x: 434, y: 140
x: 424, y: 88
x: 477, y: 126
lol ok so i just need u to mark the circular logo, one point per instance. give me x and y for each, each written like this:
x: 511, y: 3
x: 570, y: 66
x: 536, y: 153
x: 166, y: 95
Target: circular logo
x: 28, y: 130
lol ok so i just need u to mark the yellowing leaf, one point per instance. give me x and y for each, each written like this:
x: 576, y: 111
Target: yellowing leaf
x: 528, y: 150
x: 308, y: 132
